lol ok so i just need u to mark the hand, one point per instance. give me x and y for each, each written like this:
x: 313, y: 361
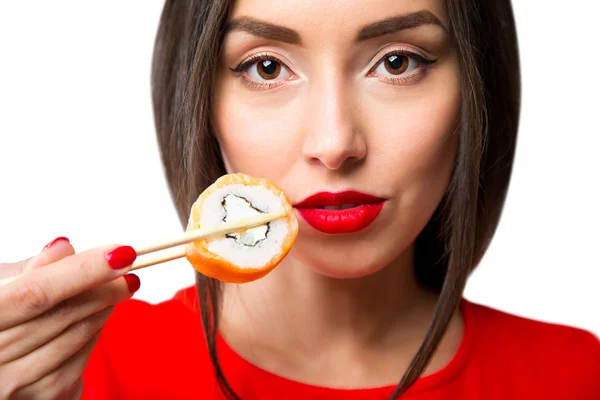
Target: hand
x: 52, y: 315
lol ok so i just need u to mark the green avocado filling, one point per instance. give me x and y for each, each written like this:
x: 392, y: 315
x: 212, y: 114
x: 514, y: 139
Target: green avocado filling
x: 237, y: 207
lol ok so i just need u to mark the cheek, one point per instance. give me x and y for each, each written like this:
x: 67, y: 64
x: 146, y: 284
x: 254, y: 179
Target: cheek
x: 255, y: 132
x: 416, y: 136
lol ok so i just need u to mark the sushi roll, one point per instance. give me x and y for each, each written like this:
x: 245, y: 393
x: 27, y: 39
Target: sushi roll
x: 248, y: 255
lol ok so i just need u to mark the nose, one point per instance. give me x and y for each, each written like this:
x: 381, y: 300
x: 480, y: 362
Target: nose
x: 332, y: 137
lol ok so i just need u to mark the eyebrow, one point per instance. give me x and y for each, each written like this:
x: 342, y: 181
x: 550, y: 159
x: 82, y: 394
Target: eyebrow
x: 282, y: 34
x: 396, y: 24
x: 264, y: 30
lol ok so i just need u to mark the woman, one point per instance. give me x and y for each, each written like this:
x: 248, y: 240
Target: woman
x: 413, y: 104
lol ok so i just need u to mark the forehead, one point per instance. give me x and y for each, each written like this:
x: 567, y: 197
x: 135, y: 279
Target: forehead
x: 334, y: 16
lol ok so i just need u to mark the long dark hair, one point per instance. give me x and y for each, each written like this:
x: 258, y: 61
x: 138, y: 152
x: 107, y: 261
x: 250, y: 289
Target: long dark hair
x: 186, y: 54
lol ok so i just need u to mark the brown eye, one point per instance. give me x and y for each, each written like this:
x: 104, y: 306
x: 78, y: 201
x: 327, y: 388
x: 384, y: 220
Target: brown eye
x: 396, y: 64
x: 268, y: 69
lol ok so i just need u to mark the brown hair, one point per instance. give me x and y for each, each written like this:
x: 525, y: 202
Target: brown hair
x: 186, y: 54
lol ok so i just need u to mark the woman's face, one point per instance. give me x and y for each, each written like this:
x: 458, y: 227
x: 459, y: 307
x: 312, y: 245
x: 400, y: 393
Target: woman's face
x: 333, y: 96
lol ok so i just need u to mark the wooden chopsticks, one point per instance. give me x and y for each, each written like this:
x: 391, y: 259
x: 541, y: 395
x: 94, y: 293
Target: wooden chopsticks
x: 191, y: 236
x: 174, y: 249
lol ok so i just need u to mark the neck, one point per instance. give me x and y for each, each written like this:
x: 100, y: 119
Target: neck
x: 318, y: 311
x: 347, y: 333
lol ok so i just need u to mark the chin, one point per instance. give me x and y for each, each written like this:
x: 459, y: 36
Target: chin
x: 344, y: 257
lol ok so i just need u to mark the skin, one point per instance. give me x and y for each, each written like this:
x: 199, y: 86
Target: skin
x: 341, y: 310
x: 51, y: 319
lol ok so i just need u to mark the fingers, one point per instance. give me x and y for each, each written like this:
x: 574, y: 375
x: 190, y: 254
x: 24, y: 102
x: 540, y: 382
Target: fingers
x: 53, y: 251
x: 17, y: 341
x: 63, y: 383
x: 8, y: 270
x: 43, y: 361
x: 56, y: 250
x: 41, y: 289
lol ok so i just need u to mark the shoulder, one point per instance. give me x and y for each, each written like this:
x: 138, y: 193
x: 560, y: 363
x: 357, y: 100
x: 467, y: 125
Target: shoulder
x: 543, y: 352
x: 503, y: 327
x: 167, y: 330
x: 147, y: 348
x: 167, y: 318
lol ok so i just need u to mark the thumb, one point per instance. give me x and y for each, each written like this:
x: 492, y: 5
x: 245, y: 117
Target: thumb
x: 56, y: 250
x: 9, y: 270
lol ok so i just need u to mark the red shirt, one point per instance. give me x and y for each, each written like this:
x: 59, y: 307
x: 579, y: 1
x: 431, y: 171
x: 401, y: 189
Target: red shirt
x: 158, y: 352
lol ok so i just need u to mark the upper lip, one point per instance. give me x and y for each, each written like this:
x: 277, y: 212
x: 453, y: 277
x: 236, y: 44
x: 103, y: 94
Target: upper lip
x: 337, y: 199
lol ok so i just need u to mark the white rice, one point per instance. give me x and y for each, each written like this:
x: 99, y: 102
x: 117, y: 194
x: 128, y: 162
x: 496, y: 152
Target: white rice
x: 232, y: 250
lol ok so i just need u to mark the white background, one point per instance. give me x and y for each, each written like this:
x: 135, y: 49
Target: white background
x: 78, y: 155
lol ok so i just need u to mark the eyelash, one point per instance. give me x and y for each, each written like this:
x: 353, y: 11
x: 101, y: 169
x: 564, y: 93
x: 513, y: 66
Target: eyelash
x: 424, y: 63
x: 243, y: 67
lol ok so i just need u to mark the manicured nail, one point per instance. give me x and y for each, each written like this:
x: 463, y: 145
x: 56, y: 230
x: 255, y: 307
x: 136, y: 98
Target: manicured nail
x: 133, y: 282
x: 121, y: 257
x: 52, y: 243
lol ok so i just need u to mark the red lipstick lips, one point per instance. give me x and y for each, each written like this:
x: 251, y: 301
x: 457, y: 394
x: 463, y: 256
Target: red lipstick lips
x: 343, y: 212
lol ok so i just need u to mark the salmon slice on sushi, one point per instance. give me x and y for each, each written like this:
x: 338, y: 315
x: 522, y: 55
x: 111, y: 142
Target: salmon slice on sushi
x: 248, y: 255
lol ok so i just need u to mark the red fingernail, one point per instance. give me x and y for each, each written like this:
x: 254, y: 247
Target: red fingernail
x: 133, y: 282
x: 121, y: 257
x: 52, y: 243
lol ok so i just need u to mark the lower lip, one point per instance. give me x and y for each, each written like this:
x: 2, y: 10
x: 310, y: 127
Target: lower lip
x: 341, y: 221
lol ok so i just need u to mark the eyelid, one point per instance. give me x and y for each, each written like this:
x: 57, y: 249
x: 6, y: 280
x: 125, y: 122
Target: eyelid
x: 409, y: 51
x: 241, y: 71
x: 250, y: 59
